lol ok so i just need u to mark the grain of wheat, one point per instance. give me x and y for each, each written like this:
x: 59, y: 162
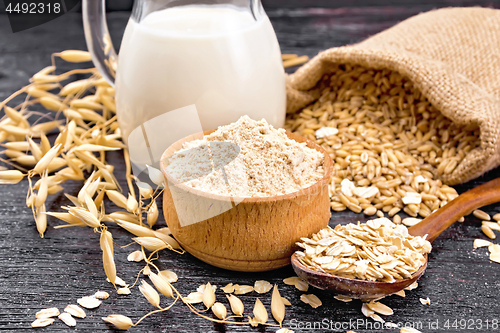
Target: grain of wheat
x: 47, y: 313
x: 75, y: 311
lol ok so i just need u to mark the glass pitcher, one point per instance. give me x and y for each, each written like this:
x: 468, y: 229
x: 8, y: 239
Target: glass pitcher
x: 214, y: 60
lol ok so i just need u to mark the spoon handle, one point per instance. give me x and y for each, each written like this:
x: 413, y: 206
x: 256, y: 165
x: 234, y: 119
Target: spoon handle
x: 437, y: 222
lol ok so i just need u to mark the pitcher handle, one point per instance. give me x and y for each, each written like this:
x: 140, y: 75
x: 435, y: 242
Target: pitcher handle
x: 98, y: 39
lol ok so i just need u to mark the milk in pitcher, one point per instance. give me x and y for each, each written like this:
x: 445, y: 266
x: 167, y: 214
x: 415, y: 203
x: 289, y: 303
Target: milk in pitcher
x: 219, y: 58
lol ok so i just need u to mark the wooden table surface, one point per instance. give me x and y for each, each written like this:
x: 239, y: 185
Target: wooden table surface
x: 462, y: 283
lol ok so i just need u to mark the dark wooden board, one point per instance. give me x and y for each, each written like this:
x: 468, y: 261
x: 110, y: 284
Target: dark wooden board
x: 37, y: 273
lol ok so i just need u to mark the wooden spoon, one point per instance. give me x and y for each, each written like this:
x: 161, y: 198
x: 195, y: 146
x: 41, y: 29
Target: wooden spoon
x: 432, y: 226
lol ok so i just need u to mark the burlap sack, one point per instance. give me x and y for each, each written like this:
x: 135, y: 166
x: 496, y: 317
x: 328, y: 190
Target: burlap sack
x: 452, y: 55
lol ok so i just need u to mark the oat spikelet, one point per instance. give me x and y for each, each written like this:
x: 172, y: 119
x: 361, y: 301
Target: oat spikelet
x: 125, y: 216
x: 152, y: 216
x: 51, y: 103
x: 260, y: 312
x: 108, y: 259
x: 481, y: 243
x: 487, y: 231
x: 409, y: 330
x: 236, y: 304
x: 136, y: 229
x: 144, y: 189
x: 161, y: 284
x: 194, y: 297
x: 228, y: 288
x: 219, y: 310
x: 135, y: 256
x: 150, y: 293
x: 119, y: 321
x: 47, y: 313
x: 208, y: 296
x: 312, y: 300
x: 277, y: 306
x: 297, y: 282
x: 132, y: 204
x: 89, y: 302
x: 167, y: 240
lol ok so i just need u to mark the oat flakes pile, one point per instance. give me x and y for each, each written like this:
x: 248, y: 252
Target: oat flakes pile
x: 266, y: 162
x: 378, y: 250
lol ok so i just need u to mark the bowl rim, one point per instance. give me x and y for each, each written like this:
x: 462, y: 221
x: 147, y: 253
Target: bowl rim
x: 312, y: 189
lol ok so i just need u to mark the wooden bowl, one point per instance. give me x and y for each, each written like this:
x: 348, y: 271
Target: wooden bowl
x: 245, y: 234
